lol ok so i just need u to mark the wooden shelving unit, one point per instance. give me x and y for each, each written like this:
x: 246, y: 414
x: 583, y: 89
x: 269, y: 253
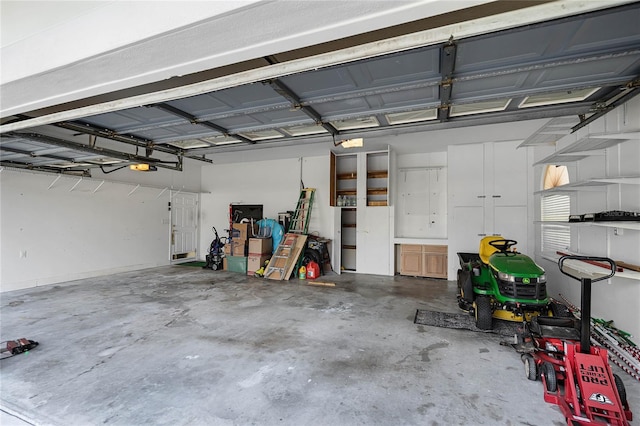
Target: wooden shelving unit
x: 346, y: 176
x: 377, y: 179
x: 377, y: 174
x: 359, y: 182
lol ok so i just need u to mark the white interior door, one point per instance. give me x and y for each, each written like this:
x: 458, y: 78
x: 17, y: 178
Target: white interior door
x: 184, y: 226
x: 373, y: 241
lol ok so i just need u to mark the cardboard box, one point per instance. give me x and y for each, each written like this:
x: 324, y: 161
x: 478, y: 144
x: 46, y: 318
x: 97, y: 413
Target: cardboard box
x: 260, y: 246
x: 256, y: 261
x: 243, y: 231
x: 235, y: 248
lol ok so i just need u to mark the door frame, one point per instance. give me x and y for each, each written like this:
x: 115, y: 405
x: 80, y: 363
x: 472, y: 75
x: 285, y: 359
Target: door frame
x: 195, y: 256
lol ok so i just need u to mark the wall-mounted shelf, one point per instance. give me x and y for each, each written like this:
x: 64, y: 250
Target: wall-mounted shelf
x: 349, y: 175
x: 592, y: 144
x: 620, y: 224
x: 592, y: 184
x: 378, y: 174
x: 377, y: 191
x: 590, y: 269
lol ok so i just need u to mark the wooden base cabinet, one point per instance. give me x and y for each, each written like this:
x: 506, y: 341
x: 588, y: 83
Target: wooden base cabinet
x: 423, y: 260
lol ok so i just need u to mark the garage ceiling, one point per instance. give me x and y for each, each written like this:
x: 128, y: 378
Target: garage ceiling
x: 579, y: 66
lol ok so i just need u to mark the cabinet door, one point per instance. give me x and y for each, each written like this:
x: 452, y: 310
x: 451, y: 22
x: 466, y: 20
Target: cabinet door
x: 466, y: 175
x: 434, y: 265
x: 332, y: 179
x: 468, y: 229
x: 373, y: 241
x: 509, y: 175
x: 410, y: 261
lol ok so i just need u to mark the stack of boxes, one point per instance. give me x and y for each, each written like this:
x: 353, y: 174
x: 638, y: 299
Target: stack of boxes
x: 259, y: 252
x: 236, y: 252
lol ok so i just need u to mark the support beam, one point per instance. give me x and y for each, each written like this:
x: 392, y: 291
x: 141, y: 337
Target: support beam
x: 284, y: 91
x: 95, y: 150
x: 194, y: 120
x: 447, y: 67
x: 88, y: 129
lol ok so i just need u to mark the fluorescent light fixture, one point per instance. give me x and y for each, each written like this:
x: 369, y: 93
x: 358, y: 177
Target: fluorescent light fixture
x: 355, y: 123
x: 557, y: 97
x: 260, y: 135
x: 143, y: 167
x: 478, y: 107
x: 189, y: 144
x: 412, y: 116
x: 351, y: 143
x: 305, y: 129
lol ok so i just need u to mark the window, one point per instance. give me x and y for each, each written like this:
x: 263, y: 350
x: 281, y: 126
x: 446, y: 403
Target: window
x: 555, y: 208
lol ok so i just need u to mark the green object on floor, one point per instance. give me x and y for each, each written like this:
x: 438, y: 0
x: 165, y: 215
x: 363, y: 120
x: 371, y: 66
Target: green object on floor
x: 237, y: 264
x: 192, y: 263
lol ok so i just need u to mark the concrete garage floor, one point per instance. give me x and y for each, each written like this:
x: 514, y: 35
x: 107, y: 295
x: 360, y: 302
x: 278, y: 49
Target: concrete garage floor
x: 180, y: 345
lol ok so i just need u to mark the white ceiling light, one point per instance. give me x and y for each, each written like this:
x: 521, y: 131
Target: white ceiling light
x: 557, y: 97
x: 352, y: 143
x: 479, y: 107
x: 356, y: 123
x: 412, y: 116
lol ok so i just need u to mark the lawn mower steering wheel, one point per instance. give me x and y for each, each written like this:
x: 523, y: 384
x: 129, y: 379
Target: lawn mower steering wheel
x: 503, y: 245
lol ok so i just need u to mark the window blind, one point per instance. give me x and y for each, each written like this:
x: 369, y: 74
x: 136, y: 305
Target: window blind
x: 555, y: 237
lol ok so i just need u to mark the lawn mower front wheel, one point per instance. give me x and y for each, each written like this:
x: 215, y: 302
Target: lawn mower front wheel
x: 483, y: 313
x: 551, y: 380
x: 530, y: 367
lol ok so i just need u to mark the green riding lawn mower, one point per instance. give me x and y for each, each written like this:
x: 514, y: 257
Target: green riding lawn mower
x: 498, y: 282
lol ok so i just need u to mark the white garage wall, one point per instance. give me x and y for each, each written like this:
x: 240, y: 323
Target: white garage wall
x: 273, y: 183
x: 65, y: 229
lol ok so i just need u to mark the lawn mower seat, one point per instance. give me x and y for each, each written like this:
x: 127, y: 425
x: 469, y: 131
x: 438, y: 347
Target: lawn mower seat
x: 486, y: 250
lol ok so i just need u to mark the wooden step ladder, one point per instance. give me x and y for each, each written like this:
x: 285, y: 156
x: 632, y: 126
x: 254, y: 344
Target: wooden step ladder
x: 285, y: 257
x: 300, y: 219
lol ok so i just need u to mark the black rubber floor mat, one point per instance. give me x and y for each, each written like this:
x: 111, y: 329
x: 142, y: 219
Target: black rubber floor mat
x: 464, y: 321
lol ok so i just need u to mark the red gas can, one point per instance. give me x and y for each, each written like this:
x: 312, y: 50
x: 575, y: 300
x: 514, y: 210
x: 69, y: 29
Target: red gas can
x: 313, y: 270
